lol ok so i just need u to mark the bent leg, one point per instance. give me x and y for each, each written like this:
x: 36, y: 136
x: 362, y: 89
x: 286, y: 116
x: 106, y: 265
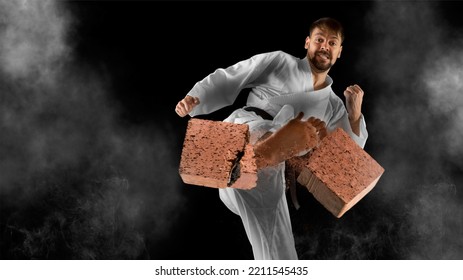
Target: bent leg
x: 263, y: 209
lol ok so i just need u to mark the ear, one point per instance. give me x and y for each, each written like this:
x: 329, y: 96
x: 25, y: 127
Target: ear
x: 307, y: 42
x: 340, y: 51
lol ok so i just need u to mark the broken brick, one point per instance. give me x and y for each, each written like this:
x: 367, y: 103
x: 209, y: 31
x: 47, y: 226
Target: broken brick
x: 216, y: 154
x: 338, y: 172
x: 247, y: 170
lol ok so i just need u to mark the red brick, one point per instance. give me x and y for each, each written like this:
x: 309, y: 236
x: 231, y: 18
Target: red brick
x: 338, y: 173
x: 212, y: 150
x: 247, y: 178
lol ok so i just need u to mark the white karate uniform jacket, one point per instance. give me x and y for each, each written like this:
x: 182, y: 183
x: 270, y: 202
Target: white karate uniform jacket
x: 281, y: 85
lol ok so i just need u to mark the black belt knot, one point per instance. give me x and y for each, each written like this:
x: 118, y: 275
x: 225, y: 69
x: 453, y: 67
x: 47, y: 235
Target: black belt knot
x: 259, y: 112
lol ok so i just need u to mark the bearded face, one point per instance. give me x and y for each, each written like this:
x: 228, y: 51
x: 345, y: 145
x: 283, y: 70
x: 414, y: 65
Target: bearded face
x: 321, y: 60
x: 323, y: 49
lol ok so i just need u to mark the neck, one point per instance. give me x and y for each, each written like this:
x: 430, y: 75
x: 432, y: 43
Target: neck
x: 319, y: 79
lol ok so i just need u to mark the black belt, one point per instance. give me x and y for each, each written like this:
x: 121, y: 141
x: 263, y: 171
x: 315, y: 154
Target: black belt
x: 259, y: 112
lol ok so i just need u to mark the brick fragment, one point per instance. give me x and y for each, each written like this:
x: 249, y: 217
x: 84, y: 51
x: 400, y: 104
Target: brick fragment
x: 247, y: 177
x: 216, y: 154
x: 338, y: 173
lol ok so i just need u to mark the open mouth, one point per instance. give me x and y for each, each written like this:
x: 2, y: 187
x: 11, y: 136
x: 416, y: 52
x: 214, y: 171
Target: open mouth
x: 323, y: 55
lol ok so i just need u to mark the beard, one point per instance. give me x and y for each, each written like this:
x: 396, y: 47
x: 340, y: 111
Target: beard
x: 320, y: 64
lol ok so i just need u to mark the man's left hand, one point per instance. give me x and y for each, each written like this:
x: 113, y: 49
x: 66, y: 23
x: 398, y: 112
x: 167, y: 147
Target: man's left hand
x: 354, y: 98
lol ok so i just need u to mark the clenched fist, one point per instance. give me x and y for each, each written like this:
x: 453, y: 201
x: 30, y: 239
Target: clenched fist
x: 354, y: 98
x: 185, y: 105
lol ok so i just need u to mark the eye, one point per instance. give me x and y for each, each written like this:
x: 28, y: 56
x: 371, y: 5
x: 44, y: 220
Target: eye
x: 333, y: 44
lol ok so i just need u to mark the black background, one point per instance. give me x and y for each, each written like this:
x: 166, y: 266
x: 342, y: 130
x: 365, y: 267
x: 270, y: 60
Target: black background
x: 153, y: 52
x: 156, y: 51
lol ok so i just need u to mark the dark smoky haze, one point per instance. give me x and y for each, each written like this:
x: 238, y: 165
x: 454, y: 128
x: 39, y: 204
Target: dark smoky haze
x: 77, y: 181
x: 90, y: 143
x: 410, y: 63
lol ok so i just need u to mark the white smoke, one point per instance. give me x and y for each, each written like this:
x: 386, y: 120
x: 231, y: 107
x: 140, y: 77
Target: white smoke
x: 60, y: 133
x: 33, y: 39
x: 443, y: 77
x: 416, y: 77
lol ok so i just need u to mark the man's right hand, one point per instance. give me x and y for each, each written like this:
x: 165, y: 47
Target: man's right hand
x: 186, y: 105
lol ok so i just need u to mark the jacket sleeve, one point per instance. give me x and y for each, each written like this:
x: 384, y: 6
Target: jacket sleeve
x: 340, y: 119
x: 221, y: 88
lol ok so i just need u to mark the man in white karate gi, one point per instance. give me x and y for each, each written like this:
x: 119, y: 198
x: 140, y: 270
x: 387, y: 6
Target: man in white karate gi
x: 282, y: 87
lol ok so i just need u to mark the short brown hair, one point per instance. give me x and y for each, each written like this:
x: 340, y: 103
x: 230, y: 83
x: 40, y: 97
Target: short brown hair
x: 328, y: 23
